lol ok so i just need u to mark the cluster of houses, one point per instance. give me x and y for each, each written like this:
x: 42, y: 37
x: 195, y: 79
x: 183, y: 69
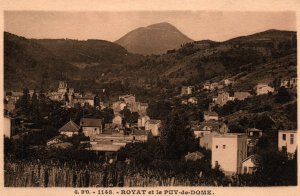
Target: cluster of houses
x: 70, y: 97
x: 107, y: 137
x: 212, y: 86
x: 289, y: 83
x: 102, y: 136
x: 223, y: 95
x: 110, y: 137
x: 214, y: 135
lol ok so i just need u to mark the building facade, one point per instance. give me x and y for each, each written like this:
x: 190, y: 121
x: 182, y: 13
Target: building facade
x: 287, y: 141
x: 153, y: 126
x: 249, y: 165
x: 117, y: 120
x: 91, y: 126
x: 8, y: 126
x: 210, y: 116
x: 262, y: 89
x: 142, y: 120
x: 69, y: 129
x: 186, y: 90
x: 241, y: 95
x: 228, y: 152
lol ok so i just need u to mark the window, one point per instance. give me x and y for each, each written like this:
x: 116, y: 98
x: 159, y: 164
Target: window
x: 292, y: 139
x: 251, y: 133
x: 224, y: 146
x: 217, y: 146
x: 283, y: 137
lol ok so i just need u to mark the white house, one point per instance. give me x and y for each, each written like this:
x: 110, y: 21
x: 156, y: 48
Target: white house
x: 206, y: 86
x: 289, y: 83
x: 210, y: 116
x: 228, y: 81
x: 118, y: 106
x: 262, y: 89
x: 184, y: 102
x: 207, y: 127
x: 228, y: 152
x: 211, y: 86
x: 91, y: 126
x: 142, y: 108
x: 55, y: 140
x: 192, y: 100
x: 153, y: 126
x: 84, y: 100
x: 241, y: 95
x: 9, y: 126
x: 128, y: 99
x: 142, y: 120
x: 287, y: 141
x: 249, y: 165
x: 186, y: 90
x: 117, y: 120
x: 69, y: 129
x: 222, y: 98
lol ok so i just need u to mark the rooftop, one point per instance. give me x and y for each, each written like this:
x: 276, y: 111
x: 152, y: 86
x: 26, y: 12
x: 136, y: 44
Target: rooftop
x: 230, y: 135
x: 210, y: 113
x: 215, y: 125
x: 288, y: 131
x: 69, y: 127
x: 154, y: 121
x: 91, y: 122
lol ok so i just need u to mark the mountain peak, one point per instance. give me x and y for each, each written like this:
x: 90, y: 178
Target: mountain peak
x: 153, y: 39
x: 161, y: 25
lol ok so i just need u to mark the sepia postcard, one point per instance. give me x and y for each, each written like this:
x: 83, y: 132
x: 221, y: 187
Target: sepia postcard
x: 149, y: 98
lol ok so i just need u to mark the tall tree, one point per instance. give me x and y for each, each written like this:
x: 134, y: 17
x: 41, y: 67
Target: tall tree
x: 24, y: 102
x: 175, y: 137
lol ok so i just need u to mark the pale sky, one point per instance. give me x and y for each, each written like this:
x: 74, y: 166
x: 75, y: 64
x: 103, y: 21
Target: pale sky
x: 197, y: 25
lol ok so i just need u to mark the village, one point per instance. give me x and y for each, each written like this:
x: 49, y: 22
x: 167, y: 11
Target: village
x: 212, y: 132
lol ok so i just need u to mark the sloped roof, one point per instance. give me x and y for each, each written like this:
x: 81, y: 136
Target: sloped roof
x: 154, y: 121
x: 254, y: 129
x: 194, y: 156
x: 90, y: 122
x: 193, y: 98
x: 69, y: 127
x: 254, y: 158
x: 260, y: 85
x: 210, y: 113
x: 63, y: 145
x: 215, y: 125
x: 58, y: 137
